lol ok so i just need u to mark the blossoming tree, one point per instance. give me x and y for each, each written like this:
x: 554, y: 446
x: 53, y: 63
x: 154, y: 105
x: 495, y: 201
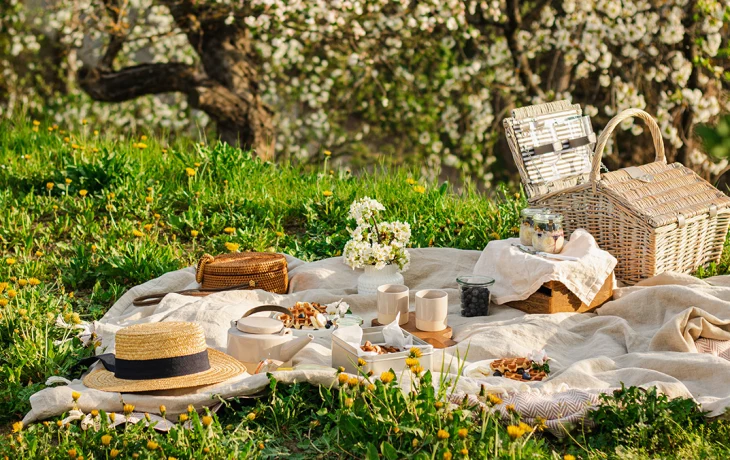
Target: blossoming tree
x: 430, y: 79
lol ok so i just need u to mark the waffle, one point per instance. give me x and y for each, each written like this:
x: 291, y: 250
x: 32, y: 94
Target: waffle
x: 511, y: 367
x: 302, y: 315
x: 379, y: 349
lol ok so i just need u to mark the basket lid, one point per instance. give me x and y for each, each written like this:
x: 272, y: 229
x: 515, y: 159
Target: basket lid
x: 240, y: 263
x: 663, y: 194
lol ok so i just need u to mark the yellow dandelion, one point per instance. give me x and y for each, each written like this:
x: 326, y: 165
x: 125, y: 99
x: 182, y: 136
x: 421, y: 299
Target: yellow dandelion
x: 66, y: 139
x: 72, y: 453
x: 371, y: 387
x: 3, y: 302
x: 114, y: 453
x: 39, y: 253
x: 83, y: 193
x: 50, y: 129
x: 207, y: 420
x: 417, y: 369
x: 387, y: 377
x: 447, y: 455
x: 194, y: 233
x: 182, y: 417
x: 141, y: 145
x: 3, y: 286
x: 410, y: 181
x: 137, y: 233
x: 143, y: 137
x: 515, y: 432
x: 148, y: 199
x: 12, y: 293
x: 510, y: 407
x: 327, y: 153
x: 251, y: 416
x: 93, y: 248
x: 128, y: 409
x: 464, y: 451
x: 463, y: 432
x: 50, y: 185
x: 17, y: 427
x: 442, y: 434
x: 190, y: 172
x: 327, y: 193
x: 438, y: 405
x: 419, y: 189
x: 197, y: 164
x: 353, y: 382
x: 494, y: 399
x: 148, y: 227
x: 342, y: 378
x: 84, y: 121
x: 22, y: 282
x: 568, y: 457
x: 106, y: 440
x: 232, y: 247
x: 34, y: 281
x: 94, y: 413
x: 163, y: 410
x: 360, y: 362
x: 75, y: 395
x: 96, y: 132
x: 10, y: 261
x: 191, y: 408
x: 415, y: 352
x: 68, y: 181
x: 494, y: 236
x: 349, y: 402
x: 525, y: 427
x: 230, y: 230
x: 152, y: 445
x: 75, y: 146
x: 36, y: 123
x: 279, y: 234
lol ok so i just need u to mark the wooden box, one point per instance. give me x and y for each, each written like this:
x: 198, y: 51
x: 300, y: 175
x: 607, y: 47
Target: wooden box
x: 554, y: 297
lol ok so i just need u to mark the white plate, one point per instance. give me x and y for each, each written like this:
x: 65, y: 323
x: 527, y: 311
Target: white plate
x: 472, y: 371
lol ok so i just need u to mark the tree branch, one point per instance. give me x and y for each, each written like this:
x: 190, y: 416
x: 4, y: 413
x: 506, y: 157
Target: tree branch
x: 117, y: 35
x: 140, y: 80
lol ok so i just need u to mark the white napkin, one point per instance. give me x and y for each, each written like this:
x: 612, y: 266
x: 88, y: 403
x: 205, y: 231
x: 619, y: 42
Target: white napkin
x: 392, y: 335
x: 518, y: 275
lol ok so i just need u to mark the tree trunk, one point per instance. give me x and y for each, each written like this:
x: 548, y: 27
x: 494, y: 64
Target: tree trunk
x: 224, y: 85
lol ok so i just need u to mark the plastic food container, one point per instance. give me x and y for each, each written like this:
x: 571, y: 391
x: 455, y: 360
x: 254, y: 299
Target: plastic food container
x: 527, y: 226
x: 548, y: 236
x: 476, y: 293
x: 344, y: 355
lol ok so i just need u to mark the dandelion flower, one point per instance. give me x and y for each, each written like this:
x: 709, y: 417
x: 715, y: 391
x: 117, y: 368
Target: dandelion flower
x: 342, y: 378
x: 152, y: 445
x: 371, y: 387
x: 83, y: 193
x: 327, y: 153
x: 12, y: 293
x: 163, y: 410
x: 148, y: 227
x: 50, y: 185
x: 141, y: 145
x: 182, y: 418
x: 464, y: 451
x: 279, y: 234
x: 148, y: 199
x: 143, y: 137
x: 128, y: 409
x: 415, y: 352
x: 114, y: 453
x: 568, y: 457
x: 353, y: 382
x: 75, y: 395
x: 17, y: 427
x: 137, y: 233
x: 510, y: 407
x: 327, y: 193
x: 442, y: 434
x: 447, y: 455
x: 3, y: 302
x: 96, y: 132
x: 525, y: 427
x: 387, y: 377
x: 438, y: 405
x: 349, y: 402
x: 36, y: 123
x: 194, y: 233
x: 463, y: 432
x: 410, y: 181
x: 68, y: 181
x: 207, y: 420
x: 106, y: 440
x: 190, y: 172
x: 72, y: 453
x: 251, y: 416
x: 230, y: 230
x: 22, y: 282
x: 232, y: 247
x: 191, y: 408
x: 10, y: 261
x: 360, y: 362
x: 494, y: 399
x: 34, y: 281
x: 39, y: 253
x: 410, y: 362
x: 94, y: 413
x: 419, y: 189
x: 515, y: 432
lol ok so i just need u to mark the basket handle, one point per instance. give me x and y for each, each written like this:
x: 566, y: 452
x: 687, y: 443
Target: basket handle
x: 656, y: 136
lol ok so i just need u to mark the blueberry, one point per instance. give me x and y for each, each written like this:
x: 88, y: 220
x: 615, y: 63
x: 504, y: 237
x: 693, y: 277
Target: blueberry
x: 526, y: 376
x: 497, y: 374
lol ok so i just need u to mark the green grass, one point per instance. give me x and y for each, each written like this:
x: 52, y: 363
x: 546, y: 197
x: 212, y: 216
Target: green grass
x: 144, y: 214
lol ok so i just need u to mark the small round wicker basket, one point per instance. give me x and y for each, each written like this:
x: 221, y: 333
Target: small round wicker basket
x: 259, y: 270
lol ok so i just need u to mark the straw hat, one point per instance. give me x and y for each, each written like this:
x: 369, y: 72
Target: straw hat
x: 162, y: 356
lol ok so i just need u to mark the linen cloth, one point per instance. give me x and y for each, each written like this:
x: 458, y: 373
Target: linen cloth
x: 518, y: 275
x: 645, y: 337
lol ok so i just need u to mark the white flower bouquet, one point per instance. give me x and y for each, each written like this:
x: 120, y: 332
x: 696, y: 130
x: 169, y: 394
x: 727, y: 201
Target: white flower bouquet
x: 373, y: 242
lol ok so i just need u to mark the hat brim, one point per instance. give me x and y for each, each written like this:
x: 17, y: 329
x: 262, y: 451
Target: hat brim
x: 222, y: 368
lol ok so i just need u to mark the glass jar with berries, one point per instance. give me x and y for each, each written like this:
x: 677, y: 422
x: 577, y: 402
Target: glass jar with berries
x: 527, y: 225
x: 475, y: 294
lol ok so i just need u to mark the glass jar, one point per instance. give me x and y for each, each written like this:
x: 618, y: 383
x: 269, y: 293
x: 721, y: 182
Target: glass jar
x: 475, y: 294
x: 527, y: 226
x: 548, y: 236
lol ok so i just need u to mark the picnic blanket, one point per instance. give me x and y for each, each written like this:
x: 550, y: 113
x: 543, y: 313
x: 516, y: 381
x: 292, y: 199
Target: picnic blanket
x: 645, y: 337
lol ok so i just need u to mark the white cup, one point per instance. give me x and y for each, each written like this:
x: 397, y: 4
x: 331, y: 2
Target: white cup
x: 432, y: 306
x: 392, y: 299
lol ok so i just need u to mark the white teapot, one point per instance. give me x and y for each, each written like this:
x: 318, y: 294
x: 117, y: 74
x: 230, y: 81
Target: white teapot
x: 253, y: 339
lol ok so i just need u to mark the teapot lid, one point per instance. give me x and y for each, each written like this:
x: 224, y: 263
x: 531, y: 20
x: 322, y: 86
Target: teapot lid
x: 259, y: 325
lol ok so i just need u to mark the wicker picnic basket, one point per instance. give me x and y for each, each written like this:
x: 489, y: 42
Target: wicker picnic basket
x: 259, y: 270
x: 653, y: 218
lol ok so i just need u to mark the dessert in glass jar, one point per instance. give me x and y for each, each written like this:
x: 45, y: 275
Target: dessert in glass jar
x: 548, y: 236
x: 527, y: 226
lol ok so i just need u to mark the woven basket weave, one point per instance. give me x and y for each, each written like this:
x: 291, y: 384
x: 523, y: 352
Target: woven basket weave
x: 260, y: 270
x: 652, y: 218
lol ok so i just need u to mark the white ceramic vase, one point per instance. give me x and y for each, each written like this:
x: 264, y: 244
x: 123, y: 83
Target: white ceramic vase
x: 373, y: 278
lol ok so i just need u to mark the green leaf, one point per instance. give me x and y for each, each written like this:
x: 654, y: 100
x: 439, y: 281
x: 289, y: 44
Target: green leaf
x: 388, y: 451
x: 372, y: 452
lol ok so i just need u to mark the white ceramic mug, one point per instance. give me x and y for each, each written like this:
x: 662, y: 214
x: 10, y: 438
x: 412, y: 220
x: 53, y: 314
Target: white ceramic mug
x: 432, y: 306
x: 392, y: 299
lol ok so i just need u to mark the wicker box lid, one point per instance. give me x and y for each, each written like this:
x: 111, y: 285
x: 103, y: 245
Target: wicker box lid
x: 663, y: 194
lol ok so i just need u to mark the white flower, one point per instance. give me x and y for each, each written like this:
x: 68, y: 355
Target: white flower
x: 538, y: 357
x: 338, y: 308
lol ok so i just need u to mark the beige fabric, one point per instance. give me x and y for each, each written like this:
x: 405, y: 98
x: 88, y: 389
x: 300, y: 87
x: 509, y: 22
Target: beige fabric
x: 518, y: 275
x: 646, y: 337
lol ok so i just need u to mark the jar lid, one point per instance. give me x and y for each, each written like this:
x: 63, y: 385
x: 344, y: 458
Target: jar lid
x: 527, y: 212
x: 548, y: 217
x: 475, y: 280
x: 259, y: 325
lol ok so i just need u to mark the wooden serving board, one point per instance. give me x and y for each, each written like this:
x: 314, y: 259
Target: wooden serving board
x: 554, y: 297
x: 438, y: 339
